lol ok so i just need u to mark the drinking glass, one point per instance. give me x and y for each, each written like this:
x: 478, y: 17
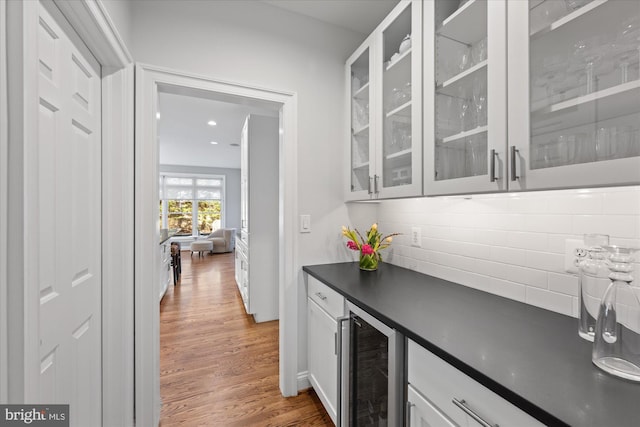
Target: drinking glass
x: 465, y: 57
x: 479, y: 51
x: 464, y: 109
x: 593, y: 279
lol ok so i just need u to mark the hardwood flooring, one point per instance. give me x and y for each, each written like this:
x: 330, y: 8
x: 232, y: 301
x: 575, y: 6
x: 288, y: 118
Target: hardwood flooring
x: 217, y: 366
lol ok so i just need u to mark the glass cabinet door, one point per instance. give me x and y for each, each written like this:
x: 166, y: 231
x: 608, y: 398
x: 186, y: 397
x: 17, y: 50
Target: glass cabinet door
x: 465, y: 119
x: 399, y: 168
x: 360, y: 130
x: 581, y: 95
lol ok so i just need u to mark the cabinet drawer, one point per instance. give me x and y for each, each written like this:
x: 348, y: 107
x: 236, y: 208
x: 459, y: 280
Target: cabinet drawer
x: 325, y: 297
x: 441, y: 383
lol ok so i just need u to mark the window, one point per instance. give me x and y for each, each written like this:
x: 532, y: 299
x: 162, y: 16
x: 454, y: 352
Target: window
x: 193, y: 205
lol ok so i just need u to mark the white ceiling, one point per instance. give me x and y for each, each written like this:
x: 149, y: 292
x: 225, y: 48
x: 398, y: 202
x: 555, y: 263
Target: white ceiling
x: 185, y: 137
x: 361, y: 16
x: 183, y: 133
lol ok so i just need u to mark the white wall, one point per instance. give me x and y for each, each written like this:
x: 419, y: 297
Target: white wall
x: 257, y: 44
x: 510, y: 244
x: 232, y: 189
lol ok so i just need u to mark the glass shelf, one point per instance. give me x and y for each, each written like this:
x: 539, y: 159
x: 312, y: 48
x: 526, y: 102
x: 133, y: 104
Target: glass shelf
x: 399, y: 154
x: 362, y: 132
x: 609, y: 103
x: 568, y: 19
x: 462, y: 25
x: 402, y: 58
x: 362, y: 93
x: 464, y: 79
x: 465, y: 134
x: 403, y: 111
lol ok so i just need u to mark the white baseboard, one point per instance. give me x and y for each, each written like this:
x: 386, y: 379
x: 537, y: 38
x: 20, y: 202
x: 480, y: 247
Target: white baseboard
x: 303, y: 380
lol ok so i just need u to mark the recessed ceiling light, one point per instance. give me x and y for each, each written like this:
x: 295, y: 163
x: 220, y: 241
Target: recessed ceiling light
x: 158, y: 115
x: 214, y: 143
x: 211, y: 123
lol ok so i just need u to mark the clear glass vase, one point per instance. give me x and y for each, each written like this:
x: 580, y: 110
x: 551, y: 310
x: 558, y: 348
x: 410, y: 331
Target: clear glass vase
x: 616, y: 347
x: 369, y: 262
x: 593, y: 280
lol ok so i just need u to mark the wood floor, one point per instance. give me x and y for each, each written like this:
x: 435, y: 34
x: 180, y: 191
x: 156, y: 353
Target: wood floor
x: 217, y: 366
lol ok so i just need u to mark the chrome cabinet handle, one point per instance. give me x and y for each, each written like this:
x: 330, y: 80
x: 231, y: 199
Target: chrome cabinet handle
x: 375, y: 184
x: 369, y: 189
x: 463, y: 405
x: 514, y: 158
x: 322, y: 297
x: 492, y: 166
x: 407, y: 421
x: 341, y: 321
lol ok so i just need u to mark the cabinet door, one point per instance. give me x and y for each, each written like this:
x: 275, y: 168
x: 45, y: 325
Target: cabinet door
x: 361, y: 134
x: 422, y: 413
x: 322, y: 356
x: 398, y: 171
x: 574, y: 93
x: 465, y: 115
x: 244, y: 177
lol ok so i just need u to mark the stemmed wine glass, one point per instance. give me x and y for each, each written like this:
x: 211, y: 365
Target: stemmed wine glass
x: 479, y: 101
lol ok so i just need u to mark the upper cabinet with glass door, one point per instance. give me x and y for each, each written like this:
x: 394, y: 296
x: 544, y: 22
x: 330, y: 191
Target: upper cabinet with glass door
x: 385, y: 102
x: 575, y: 111
x: 465, y: 96
x: 360, y: 132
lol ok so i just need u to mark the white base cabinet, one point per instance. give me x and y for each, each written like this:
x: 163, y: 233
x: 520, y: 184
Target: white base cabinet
x: 446, y: 396
x: 324, y: 307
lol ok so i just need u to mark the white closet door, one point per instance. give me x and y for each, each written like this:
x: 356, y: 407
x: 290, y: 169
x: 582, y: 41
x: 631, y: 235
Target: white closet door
x: 69, y: 229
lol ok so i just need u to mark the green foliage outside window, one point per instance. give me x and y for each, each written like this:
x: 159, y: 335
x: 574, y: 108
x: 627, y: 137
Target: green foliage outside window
x: 208, y: 215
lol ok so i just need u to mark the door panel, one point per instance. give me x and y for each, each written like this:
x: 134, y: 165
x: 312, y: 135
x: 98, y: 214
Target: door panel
x: 69, y: 210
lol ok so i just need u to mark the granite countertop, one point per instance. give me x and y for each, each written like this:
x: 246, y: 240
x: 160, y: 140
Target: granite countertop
x: 166, y: 234
x: 532, y: 357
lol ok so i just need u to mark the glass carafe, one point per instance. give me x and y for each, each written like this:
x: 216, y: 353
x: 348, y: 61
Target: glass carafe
x: 594, y: 280
x: 616, y: 347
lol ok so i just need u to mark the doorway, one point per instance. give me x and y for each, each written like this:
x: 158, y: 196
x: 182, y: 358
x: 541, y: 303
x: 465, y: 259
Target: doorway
x: 149, y: 82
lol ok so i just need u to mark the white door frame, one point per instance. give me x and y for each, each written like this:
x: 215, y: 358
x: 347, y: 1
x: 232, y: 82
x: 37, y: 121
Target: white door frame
x: 18, y: 224
x: 147, y: 323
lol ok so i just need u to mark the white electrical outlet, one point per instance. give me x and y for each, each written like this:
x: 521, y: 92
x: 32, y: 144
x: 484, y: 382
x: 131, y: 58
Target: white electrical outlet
x: 416, y: 237
x: 574, y: 252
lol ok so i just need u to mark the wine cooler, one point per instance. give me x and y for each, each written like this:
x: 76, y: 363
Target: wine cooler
x: 370, y: 374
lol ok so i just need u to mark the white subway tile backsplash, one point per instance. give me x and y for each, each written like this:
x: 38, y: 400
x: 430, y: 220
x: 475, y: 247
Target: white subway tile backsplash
x: 614, y: 225
x: 545, y: 261
x: 622, y: 202
x: 549, y: 300
x: 527, y: 240
x: 508, y: 255
x: 564, y: 283
x: 510, y: 244
x: 547, y: 223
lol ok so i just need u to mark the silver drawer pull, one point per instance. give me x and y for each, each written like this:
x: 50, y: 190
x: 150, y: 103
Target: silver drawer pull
x: 322, y: 297
x: 408, y: 414
x: 463, y: 405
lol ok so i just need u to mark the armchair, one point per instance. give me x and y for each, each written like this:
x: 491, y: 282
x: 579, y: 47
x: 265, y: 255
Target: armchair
x: 223, y: 240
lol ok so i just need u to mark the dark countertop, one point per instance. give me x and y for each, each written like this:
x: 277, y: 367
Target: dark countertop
x: 532, y: 357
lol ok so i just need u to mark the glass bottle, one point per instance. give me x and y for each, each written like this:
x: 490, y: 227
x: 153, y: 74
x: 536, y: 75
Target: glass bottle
x: 616, y: 347
x: 593, y: 279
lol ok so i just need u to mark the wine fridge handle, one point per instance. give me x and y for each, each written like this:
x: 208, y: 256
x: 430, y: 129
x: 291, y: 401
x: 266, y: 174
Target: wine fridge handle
x: 463, y: 405
x: 407, y: 421
x: 341, y: 321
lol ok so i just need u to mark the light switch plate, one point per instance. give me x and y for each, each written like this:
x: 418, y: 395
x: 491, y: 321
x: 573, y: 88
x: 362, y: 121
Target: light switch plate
x: 416, y: 237
x: 305, y: 223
